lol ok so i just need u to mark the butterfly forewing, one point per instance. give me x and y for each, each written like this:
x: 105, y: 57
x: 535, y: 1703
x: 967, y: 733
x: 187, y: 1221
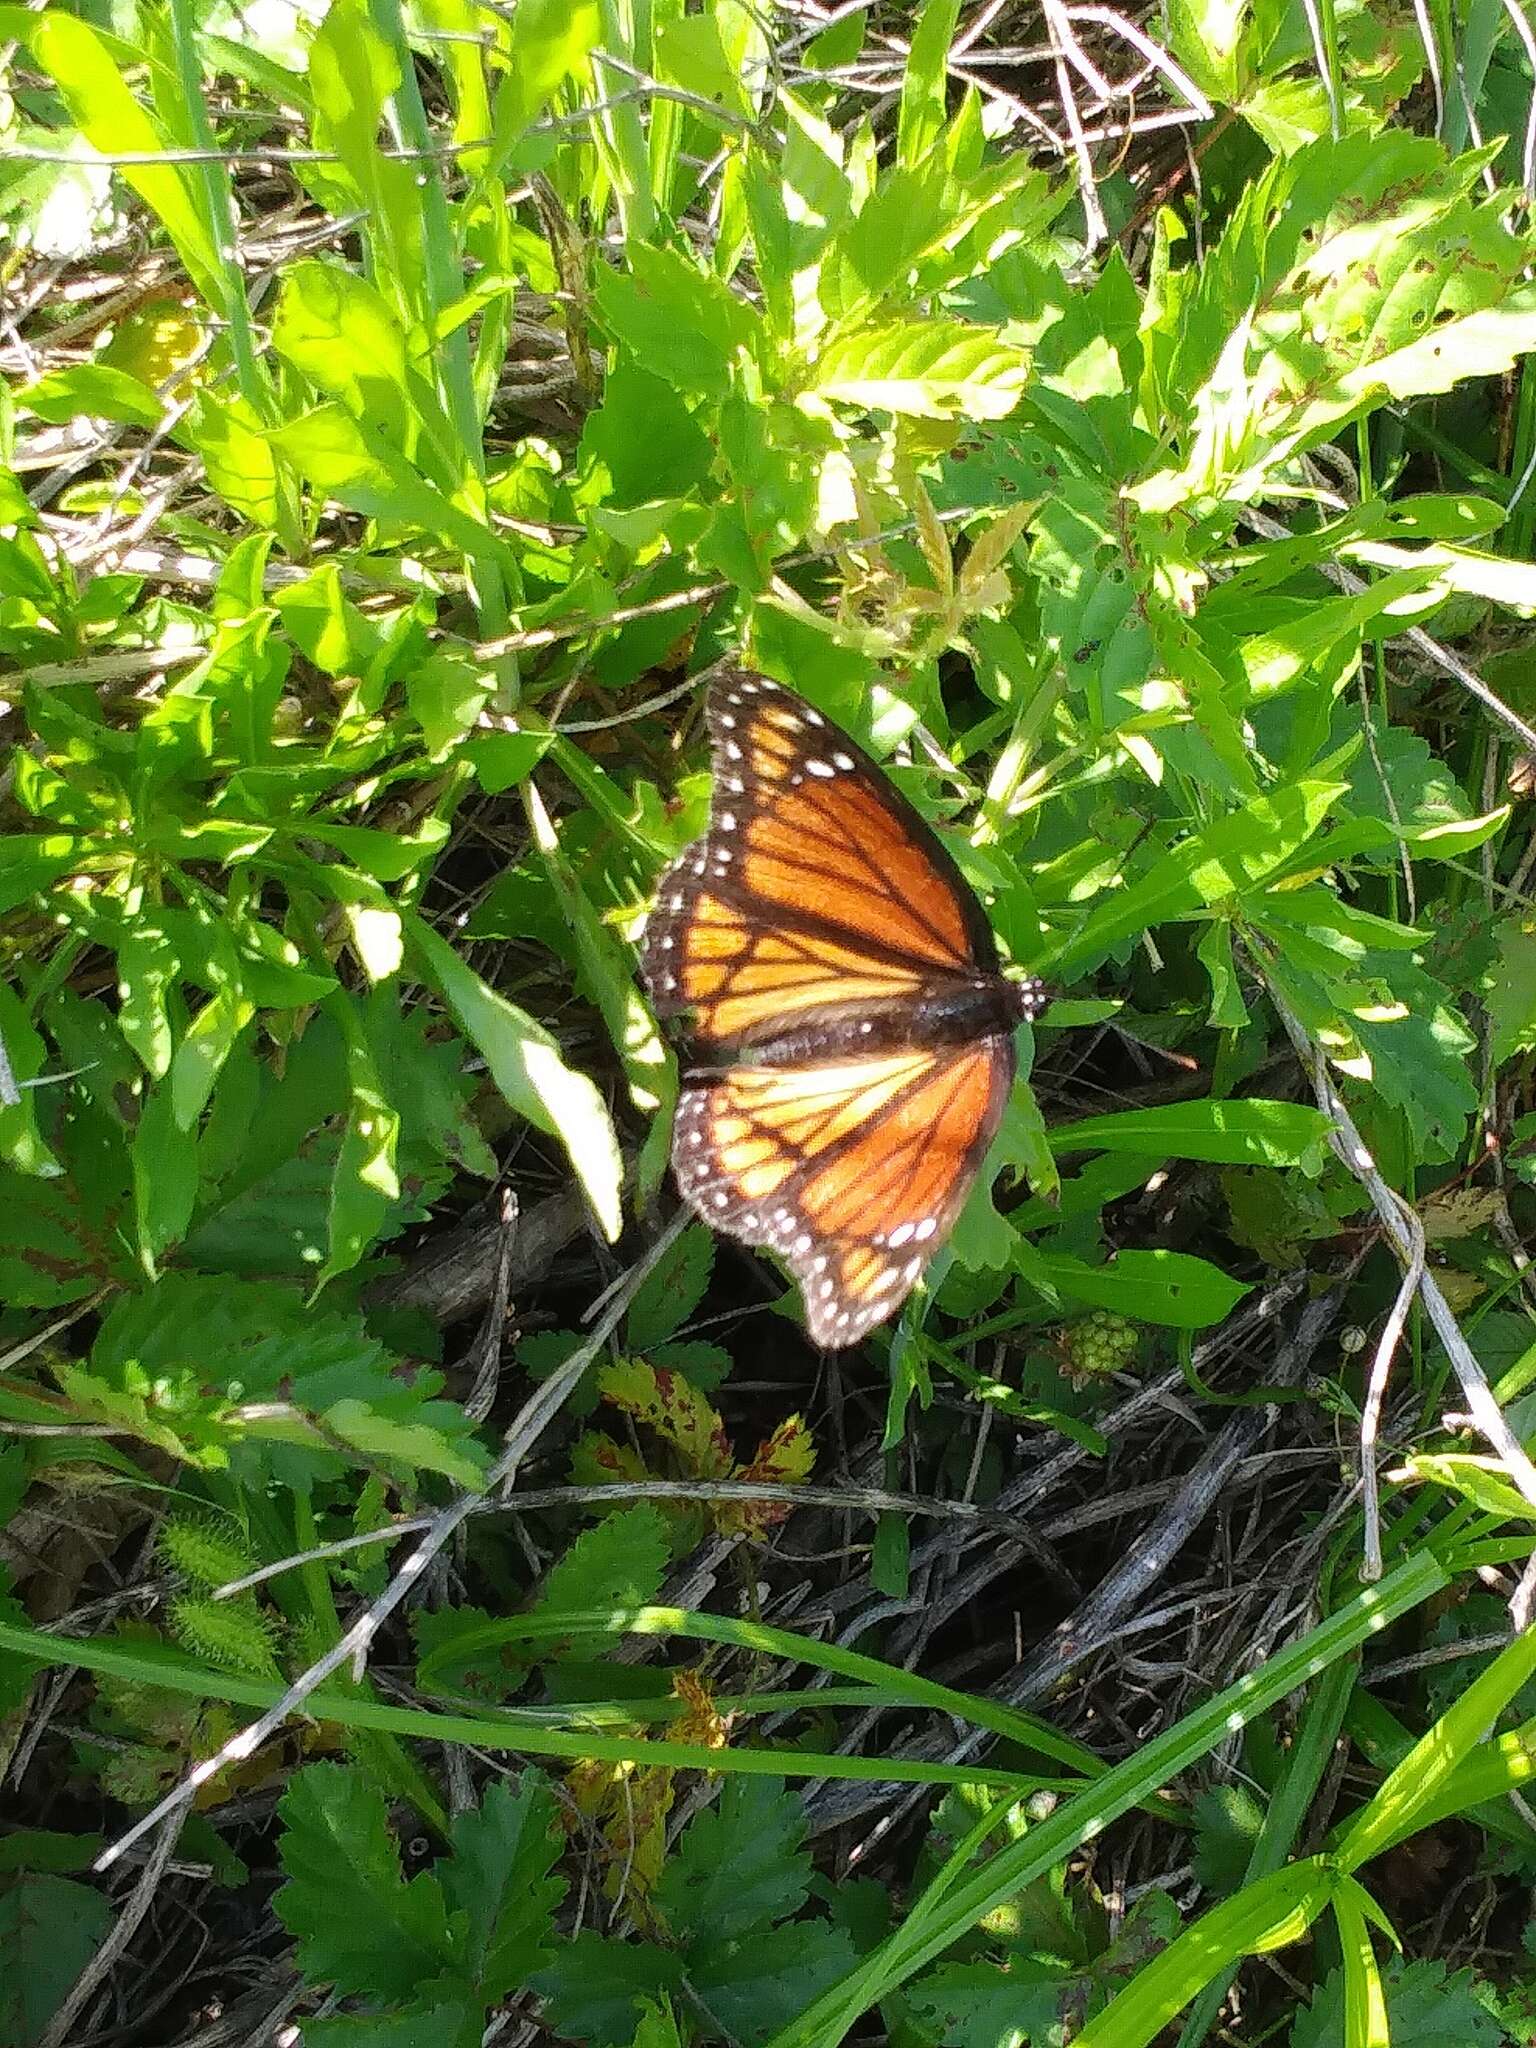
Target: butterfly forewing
x: 816, y: 883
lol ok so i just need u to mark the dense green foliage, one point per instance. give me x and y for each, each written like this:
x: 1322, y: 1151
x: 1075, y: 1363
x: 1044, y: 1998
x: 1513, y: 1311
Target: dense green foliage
x: 404, y: 408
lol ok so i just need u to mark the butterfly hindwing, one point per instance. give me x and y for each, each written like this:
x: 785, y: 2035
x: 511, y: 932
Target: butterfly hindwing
x: 852, y: 1171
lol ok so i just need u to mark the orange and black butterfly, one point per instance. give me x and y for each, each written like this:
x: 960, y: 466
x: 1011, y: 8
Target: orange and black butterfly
x: 851, y: 1039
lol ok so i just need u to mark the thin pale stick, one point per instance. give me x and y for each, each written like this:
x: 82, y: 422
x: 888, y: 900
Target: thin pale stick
x: 874, y: 1500
x: 1376, y: 1386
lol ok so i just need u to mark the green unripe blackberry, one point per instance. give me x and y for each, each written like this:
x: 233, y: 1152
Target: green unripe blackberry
x: 1099, y: 1343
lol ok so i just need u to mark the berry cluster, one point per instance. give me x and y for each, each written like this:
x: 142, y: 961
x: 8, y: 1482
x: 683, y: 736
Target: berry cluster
x: 1100, y: 1342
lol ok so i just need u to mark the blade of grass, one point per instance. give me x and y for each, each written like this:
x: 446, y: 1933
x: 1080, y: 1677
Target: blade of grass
x: 930, y: 1929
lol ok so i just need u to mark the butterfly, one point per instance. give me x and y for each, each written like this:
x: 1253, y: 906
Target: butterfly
x: 850, y: 1038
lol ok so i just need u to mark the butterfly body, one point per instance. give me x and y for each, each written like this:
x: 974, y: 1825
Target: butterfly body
x: 850, y: 1038
x: 940, y: 1014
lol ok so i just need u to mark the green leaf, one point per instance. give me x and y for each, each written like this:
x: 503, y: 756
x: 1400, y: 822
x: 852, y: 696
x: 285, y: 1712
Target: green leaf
x: 90, y: 77
x: 446, y: 693
x: 502, y: 760
x: 593, y: 1989
x: 502, y: 1878
x: 756, y: 1983
x: 550, y: 41
x: 984, y: 2005
x: 46, y: 1258
x: 738, y: 1867
x: 650, y: 442
x: 228, y: 435
x: 50, y: 1927
x: 366, y: 1184
x: 1413, y: 1786
x: 164, y: 1176
x: 1227, y: 1822
x: 309, y: 1382
x: 413, y: 1442
x: 1270, y: 1913
x: 354, y: 464
x: 1510, y: 994
x: 96, y: 389
x: 620, y: 1562
x: 22, y: 1144
x: 1427, y: 2007
x: 1246, y: 1132
x: 354, y: 70
x: 440, y: 2022
x: 671, y: 1290
x: 357, y: 1923
x: 205, y: 1046
x: 343, y: 334
x: 924, y: 88
x: 1226, y: 859
x: 526, y: 1066
x: 1169, y: 1288
x: 1358, y: 272
x: 658, y: 2025
x: 30, y: 862
x: 683, y: 323
x: 385, y: 856
x: 926, y: 369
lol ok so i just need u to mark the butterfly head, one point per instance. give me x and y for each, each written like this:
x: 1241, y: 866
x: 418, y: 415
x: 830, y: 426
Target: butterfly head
x: 1031, y: 997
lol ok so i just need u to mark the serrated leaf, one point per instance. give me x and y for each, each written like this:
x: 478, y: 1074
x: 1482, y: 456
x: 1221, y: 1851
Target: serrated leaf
x: 1510, y: 993
x: 620, y: 1563
x: 784, y: 1458
x: 926, y: 369
x: 672, y: 1290
x: 739, y: 1865
x: 707, y: 1365
x: 1426, y: 2008
x: 983, y: 2005
x: 501, y: 1877
x: 1227, y: 1823
x: 673, y: 1407
x: 440, y: 2022
x: 1358, y: 272
x: 756, y: 1983
x: 358, y: 1924
x: 593, y: 1989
